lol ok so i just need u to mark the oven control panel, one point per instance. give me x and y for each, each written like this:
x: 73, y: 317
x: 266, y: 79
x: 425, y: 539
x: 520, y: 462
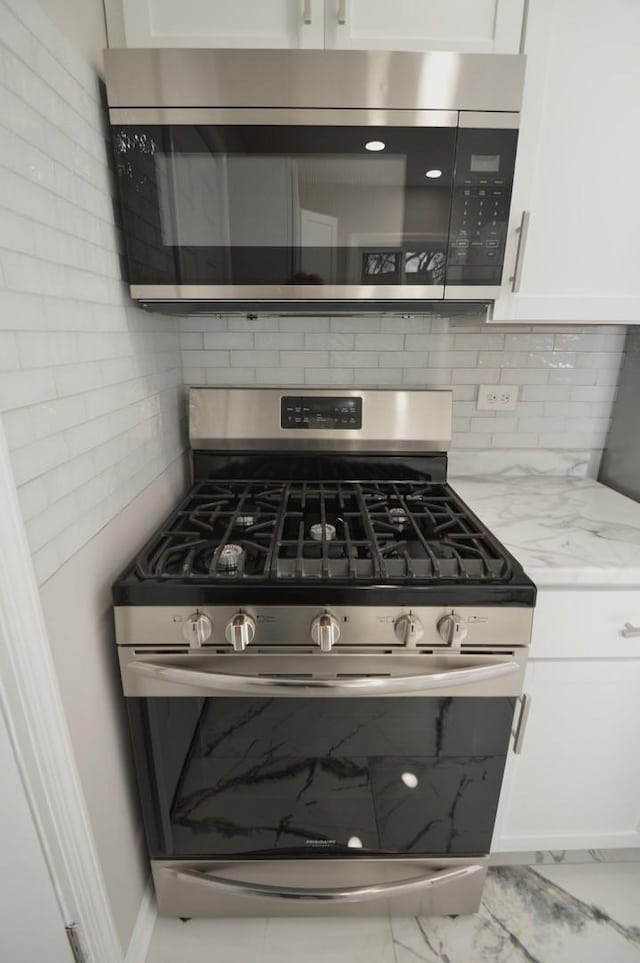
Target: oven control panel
x: 328, y: 629
x: 324, y: 413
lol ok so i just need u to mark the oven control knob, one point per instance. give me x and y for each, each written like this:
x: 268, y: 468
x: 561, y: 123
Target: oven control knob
x: 325, y: 631
x: 451, y: 629
x: 409, y: 629
x: 240, y: 631
x: 197, y: 629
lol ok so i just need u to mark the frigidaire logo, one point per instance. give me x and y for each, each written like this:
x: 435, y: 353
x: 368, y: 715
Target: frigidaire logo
x: 320, y: 842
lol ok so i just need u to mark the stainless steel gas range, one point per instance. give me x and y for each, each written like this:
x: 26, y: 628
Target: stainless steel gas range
x: 323, y: 653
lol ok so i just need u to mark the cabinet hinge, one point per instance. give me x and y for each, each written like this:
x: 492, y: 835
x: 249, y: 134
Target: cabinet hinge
x: 73, y: 935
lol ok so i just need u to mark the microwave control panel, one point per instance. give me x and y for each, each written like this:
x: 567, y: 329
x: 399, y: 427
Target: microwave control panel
x: 480, y: 206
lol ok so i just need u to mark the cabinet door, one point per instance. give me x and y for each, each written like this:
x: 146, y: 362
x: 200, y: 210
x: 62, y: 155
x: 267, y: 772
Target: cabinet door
x: 477, y: 26
x: 223, y: 23
x: 576, y: 784
x: 576, y: 171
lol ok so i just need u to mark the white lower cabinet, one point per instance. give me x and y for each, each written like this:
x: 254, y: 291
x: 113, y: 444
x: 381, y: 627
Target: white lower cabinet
x: 576, y: 784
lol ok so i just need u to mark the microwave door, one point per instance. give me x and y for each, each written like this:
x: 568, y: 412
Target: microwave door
x: 310, y: 211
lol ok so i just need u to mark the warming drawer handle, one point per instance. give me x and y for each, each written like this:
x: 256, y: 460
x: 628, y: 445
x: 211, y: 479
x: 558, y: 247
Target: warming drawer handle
x: 358, y: 685
x: 344, y: 894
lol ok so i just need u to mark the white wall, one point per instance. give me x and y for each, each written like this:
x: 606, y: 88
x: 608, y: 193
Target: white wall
x: 77, y: 607
x: 83, y: 24
x: 31, y: 927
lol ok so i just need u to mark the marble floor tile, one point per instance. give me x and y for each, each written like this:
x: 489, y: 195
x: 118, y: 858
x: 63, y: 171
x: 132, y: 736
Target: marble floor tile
x: 527, y: 918
x: 610, y: 888
x: 272, y: 941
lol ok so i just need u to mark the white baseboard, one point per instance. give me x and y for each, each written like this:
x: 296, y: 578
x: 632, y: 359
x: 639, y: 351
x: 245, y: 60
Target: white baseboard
x: 145, y: 921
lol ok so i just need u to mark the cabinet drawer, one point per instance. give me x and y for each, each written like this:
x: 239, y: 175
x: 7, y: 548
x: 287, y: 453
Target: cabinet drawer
x: 585, y: 624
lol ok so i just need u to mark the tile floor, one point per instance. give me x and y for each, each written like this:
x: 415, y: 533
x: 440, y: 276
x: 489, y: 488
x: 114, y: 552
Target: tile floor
x: 562, y: 908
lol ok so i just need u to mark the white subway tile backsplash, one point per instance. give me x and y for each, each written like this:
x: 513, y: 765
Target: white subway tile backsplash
x: 225, y: 340
x: 571, y: 376
x: 353, y: 359
x: 275, y: 341
x: 89, y: 397
x: 404, y: 359
x: 432, y: 342
x: 529, y: 342
x: 379, y: 342
x: 428, y: 378
x: 274, y: 377
x: 327, y: 377
x: 249, y: 359
x: 378, y: 377
x: 8, y: 351
x: 477, y: 376
x: 327, y: 341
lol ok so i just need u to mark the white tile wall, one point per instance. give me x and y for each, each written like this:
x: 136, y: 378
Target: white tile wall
x: 89, y: 385
x: 567, y: 376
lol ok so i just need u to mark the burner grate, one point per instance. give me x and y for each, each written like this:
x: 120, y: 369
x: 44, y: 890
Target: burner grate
x: 376, y: 532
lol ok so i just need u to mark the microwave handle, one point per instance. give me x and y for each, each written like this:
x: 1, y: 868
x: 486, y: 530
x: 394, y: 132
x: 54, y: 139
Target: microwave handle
x: 344, y: 894
x: 522, y: 232
x: 352, y: 686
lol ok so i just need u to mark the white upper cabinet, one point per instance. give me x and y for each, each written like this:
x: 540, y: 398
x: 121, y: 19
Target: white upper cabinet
x: 473, y: 26
x: 479, y: 26
x: 222, y: 23
x: 577, y: 167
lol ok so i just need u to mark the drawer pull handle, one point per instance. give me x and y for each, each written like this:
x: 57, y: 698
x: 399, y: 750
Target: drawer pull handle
x: 344, y: 894
x: 630, y: 631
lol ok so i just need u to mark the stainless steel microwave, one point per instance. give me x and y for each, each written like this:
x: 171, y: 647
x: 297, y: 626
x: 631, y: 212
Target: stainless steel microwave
x: 313, y: 180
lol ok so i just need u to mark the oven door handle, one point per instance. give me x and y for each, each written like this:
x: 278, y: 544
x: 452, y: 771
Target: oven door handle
x: 354, y: 685
x: 343, y: 894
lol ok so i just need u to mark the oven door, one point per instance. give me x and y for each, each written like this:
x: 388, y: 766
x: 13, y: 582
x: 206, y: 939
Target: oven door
x: 319, y: 756
x: 350, y: 205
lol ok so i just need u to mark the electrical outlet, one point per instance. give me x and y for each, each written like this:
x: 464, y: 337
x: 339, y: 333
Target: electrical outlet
x: 497, y: 397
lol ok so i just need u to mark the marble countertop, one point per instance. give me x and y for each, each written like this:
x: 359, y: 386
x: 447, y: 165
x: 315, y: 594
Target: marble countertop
x: 564, y: 531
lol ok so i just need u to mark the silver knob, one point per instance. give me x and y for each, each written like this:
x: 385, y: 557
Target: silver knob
x: 197, y: 629
x: 409, y: 629
x: 240, y: 631
x: 451, y: 629
x: 325, y: 631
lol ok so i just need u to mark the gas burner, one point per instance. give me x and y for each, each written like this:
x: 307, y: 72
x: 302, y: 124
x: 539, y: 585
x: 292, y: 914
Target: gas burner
x: 230, y: 558
x: 382, y: 532
x: 245, y: 521
x: 398, y: 518
x: 327, y: 531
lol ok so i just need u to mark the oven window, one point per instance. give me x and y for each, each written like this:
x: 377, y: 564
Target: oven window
x: 288, y: 777
x: 276, y: 205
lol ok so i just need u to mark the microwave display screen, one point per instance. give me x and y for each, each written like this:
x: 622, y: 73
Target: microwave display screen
x: 485, y: 163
